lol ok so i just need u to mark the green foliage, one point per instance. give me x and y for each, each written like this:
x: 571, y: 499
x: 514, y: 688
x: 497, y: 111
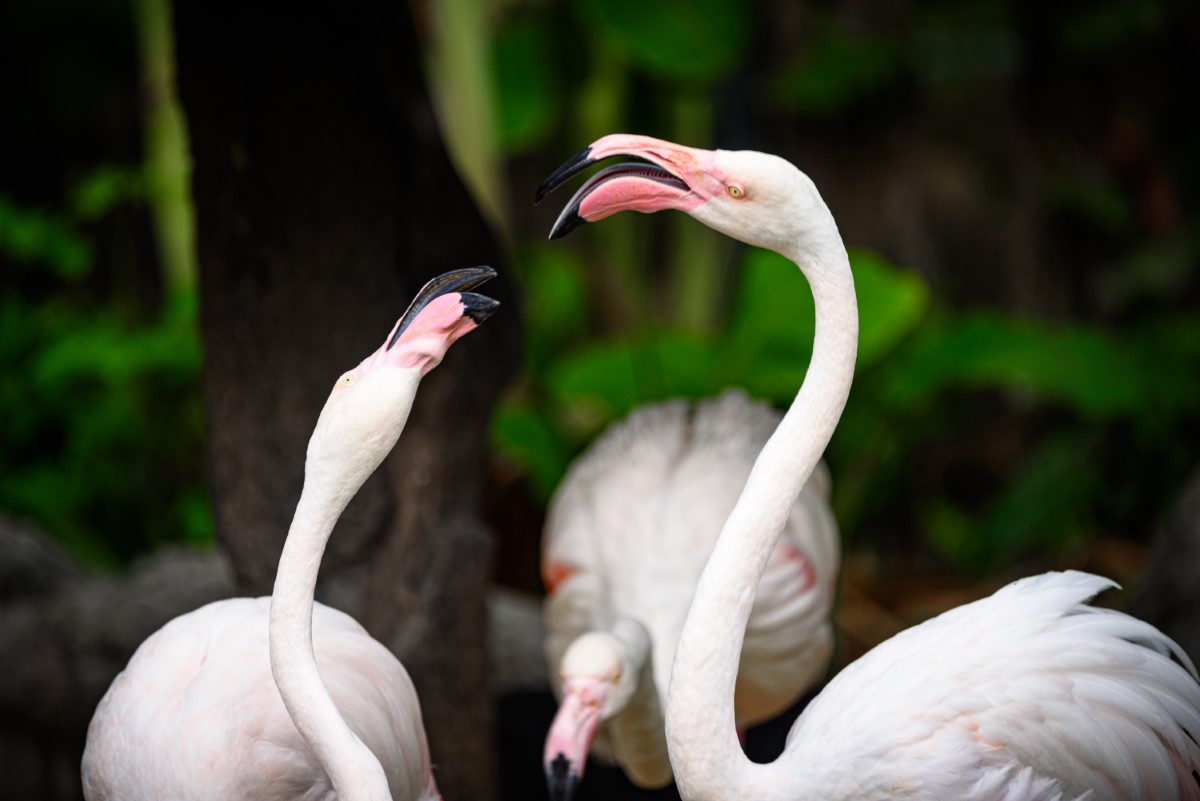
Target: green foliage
x: 678, y: 39
x: 918, y: 362
x: 1046, y: 507
x: 837, y: 71
x: 100, y: 392
x: 1087, y: 369
x: 32, y: 238
x: 104, y: 416
x: 103, y: 189
x: 526, y: 89
x: 580, y: 389
x: 556, y: 302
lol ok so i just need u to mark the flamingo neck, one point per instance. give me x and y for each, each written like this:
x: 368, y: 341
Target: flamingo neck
x: 701, y: 734
x: 637, y: 729
x: 333, y: 475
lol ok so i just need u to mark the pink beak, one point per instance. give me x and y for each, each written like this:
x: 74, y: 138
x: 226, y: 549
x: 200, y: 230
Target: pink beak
x: 671, y: 177
x: 442, y: 312
x: 571, y: 734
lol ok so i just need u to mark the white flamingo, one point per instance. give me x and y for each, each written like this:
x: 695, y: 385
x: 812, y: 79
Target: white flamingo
x: 1028, y: 695
x: 627, y: 535
x: 280, y: 697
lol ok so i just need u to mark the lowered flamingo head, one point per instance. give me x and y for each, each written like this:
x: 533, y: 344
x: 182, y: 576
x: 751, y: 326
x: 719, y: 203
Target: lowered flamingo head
x: 369, y: 405
x: 597, y: 683
x: 754, y: 197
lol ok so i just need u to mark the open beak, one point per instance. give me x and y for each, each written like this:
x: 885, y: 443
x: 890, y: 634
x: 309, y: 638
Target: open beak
x: 670, y: 176
x: 571, y: 734
x: 476, y: 307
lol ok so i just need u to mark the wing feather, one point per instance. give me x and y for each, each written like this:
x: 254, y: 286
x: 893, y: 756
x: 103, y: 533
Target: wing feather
x: 1027, y: 694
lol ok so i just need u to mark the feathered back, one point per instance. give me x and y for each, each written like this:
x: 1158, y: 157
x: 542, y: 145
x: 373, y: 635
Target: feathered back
x: 1030, y: 694
x: 632, y: 524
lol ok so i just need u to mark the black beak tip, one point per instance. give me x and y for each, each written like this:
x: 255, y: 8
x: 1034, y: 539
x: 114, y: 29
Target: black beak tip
x: 486, y: 272
x: 478, y: 307
x: 561, y: 779
x: 560, y: 176
x: 566, y: 223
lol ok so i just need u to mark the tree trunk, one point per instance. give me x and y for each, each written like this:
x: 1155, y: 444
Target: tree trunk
x: 324, y: 199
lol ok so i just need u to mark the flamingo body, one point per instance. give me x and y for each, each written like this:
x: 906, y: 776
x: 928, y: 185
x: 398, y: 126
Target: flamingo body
x: 1029, y: 695
x: 196, y: 714
x: 634, y: 522
x: 281, y: 697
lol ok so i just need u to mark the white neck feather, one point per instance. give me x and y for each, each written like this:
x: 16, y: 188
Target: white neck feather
x: 701, y: 732
x: 637, y: 728
x: 351, y: 439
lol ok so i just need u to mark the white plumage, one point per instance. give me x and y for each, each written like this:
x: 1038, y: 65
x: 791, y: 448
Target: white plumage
x: 196, y: 714
x: 630, y: 529
x: 1029, y: 695
x: 255, y: 699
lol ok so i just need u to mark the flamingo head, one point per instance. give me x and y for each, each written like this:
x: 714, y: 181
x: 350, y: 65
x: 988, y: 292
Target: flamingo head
x: 369, y: 405
x: 597, y: 683
x: 754, y: 197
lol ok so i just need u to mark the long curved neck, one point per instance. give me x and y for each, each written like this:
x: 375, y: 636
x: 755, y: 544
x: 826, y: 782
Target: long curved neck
x: 332, y: 477
x: 638, y: 729
x: 701, y: 735
x: 354, y: 771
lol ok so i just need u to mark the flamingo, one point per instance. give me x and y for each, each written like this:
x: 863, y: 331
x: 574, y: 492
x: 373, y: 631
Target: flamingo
x: 627, y: 534
x: 1030, y: 694
x: 280, y: 697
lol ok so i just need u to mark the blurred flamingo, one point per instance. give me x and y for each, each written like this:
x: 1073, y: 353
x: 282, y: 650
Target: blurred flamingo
x: 627, y: 535
x: 1028, y: 695
x: 280, y: 697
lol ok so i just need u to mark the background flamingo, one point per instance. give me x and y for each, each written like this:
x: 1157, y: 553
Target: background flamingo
x: 1029, y: 695
x: 627, y: 535
x: 197, y: 713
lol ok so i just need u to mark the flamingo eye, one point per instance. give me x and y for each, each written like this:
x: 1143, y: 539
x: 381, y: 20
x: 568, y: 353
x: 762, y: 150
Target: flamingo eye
x: 347, y: 379
x: 735, y: 191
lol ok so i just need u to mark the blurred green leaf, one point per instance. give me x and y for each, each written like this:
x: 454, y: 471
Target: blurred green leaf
x: 525, y: 70
x: 771, y: 326
x: 773, y: 305
x: 1083, y: 367
x: 463, y: 87
x: 520, y: 434
x: 32, y: 237
x: 891, y: 304
x: 1044, y: 507
x: 556, y: 305
x: 192, y: 510
x: 771, y: 329
x: 1167, y: 350
x: 105, y: 188
x: 700, y: 39
x: 834, y: 72
x: 614, y: 377
x: 103, y: 422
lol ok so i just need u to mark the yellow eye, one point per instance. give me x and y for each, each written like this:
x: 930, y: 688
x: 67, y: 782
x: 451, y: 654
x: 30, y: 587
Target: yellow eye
x: 735, y: 191
x: 347, y: 379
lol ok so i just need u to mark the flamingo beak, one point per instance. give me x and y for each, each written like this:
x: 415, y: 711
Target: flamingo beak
x: 670, y: 177
x: 442, y: 312
x: 477, y: 308
x: 571, y: 734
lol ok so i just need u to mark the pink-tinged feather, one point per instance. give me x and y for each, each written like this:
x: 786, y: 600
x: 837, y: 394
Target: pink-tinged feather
x: 282, y: 698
